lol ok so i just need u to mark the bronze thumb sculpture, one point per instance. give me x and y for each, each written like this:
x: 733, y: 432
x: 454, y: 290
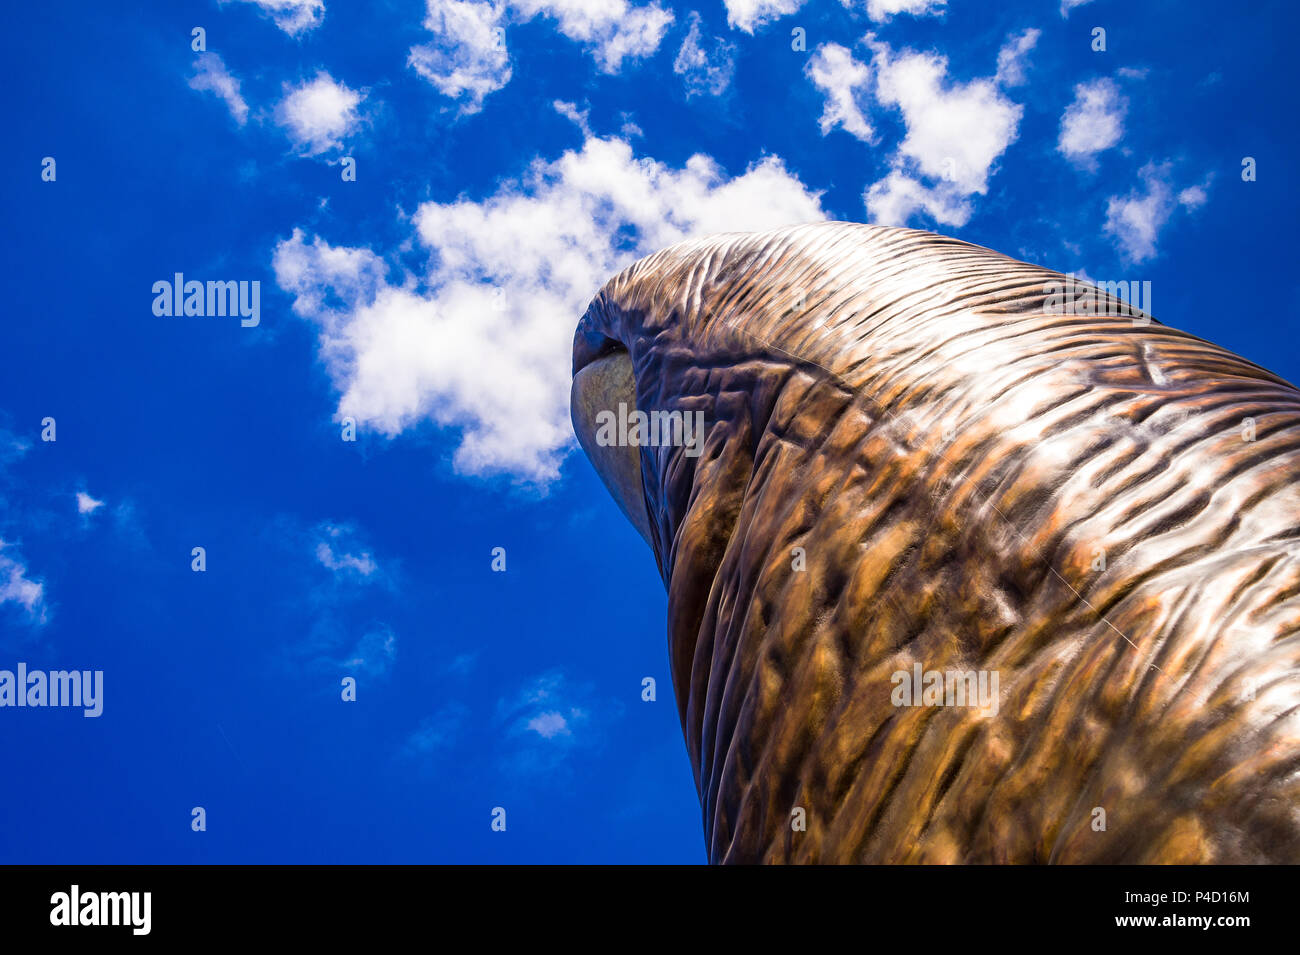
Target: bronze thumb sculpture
x: 958, y: 571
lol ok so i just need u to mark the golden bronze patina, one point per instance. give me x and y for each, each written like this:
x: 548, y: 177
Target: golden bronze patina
x: 913, y: 465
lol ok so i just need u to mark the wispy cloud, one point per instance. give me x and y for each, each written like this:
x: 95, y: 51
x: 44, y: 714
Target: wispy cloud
x: 12, y: 448
x: 706, y: 66
x: 374, y: 653
x: 540, y: 707
x: 16, y: 587
x: 542, y: 724
x: 440, y: 732
x: 336, y: 592
x: 1013, y: 58
x: 210, y: 75
x: 570, y: 111
x: 332, y: 537
x: 467, y: 57
x: 548, y: 719
x: 462, y: 664
x: 291, y: 16
x: 1135, y: 220
x: 87, y: 504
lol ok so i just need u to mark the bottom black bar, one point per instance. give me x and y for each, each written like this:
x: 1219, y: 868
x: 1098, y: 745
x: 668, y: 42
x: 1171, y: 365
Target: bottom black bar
x: 176, y: 903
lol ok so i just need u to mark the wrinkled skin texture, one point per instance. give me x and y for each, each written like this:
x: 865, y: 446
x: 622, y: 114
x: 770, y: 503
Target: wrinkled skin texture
x: 951, y: 459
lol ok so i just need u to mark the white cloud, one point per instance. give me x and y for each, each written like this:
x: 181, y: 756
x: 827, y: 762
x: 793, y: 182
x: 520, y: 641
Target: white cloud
x: 844, y: 81
x: 1135, y: 220
x: 319, y: 272
x: 706, y: 67
x: 318, y: 113
x: 1068, y: 5
x: 482, y: 340
x: 896, y: 198
x: 211, y: 75
x: 613, y: 30
x: 1013, y: 56
x: 955, y: 133
x: 468, y: 59
x: 1093, y: 122
x: 330, y: 551
x: 545, y: 706
x: 574, y: 115
x: 16, y: 587
x: 1193, y: 197
x: 882, y: 10
x: 747, y: 15
x: 293, y: 16
x: 549, y: 725
x: 87, y: 504
x: 547, y: 720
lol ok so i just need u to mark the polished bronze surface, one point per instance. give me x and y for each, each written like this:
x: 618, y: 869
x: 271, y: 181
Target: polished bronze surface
x: 911, y: 467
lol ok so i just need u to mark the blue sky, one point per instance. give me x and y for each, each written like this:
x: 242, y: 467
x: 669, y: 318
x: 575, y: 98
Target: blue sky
x: 508, y: 158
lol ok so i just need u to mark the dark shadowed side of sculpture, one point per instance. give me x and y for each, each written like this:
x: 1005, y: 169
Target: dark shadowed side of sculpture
x: 910, y: 467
